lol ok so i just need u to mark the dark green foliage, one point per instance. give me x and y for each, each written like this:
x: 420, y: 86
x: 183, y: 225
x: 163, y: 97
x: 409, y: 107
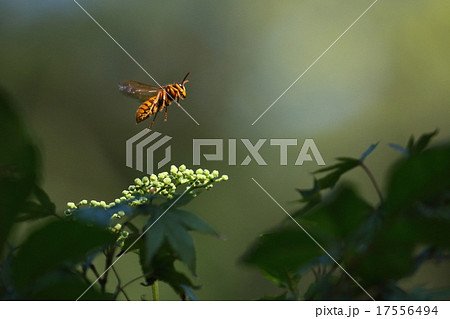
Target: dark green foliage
x: 39, y: 208
x: 419, y: 178
x: 19, y: 161
x: 173, y: 227
x: 70, y: 243
x: 55, y: 261
x: 378, y: 245
x: 336, y: 171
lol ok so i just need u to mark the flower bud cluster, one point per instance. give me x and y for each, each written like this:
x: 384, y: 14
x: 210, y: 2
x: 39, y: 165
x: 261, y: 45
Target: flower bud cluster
x: 165, y: 184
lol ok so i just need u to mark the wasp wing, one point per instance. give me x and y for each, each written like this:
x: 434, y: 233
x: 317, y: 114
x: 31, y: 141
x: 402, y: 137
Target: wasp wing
x: 138, y: 90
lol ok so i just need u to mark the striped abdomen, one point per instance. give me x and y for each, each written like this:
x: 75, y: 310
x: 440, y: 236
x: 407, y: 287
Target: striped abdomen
x: 168, y: 93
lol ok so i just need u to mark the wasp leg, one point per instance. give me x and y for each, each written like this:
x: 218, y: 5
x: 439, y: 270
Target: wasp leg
x: 154, y: 117
x: 165, y: 115
x: 153, y: 120
x: 176, y: 101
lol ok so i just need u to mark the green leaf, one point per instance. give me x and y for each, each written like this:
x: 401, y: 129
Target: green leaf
x: 178, y: 200
x: 154, y: 237
x: 35, y: 210
x: 399, y: 148
x: 134, y: 241
x: 6, y: 285
x: 282, y: 252
x: 339, y: 218
x: 56, y: 245
x: 189, y: 292
x: 174, y: 227
x: 396, y: 244
x: 168, y: 240
x: 180, y: 241
x: 368, y: 151
x: 337, y: 170
x: 419, y: 178
x: 63, y: 285
x: 44, y: 199
x: 289, y: 250
x: 162, y: 268
x: 311, y: 197
x: 311, y: 194
x: 391, y: 252
x: 193, y: 222
x: 19, y: 163
x: 431, y: 231
x: 416, y: 148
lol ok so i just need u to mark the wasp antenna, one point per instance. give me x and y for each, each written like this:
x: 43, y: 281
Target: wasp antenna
x: 184, y: 80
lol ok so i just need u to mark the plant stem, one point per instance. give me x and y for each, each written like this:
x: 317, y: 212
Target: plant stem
x: 372, y: 179
x: 109, y: 254
x: 155, y: 291
x: 133, y: 280
x: 119, y: 283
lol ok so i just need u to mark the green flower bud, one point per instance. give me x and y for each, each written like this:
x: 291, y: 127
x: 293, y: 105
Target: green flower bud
x: 138, y: 181
x: 71, y: 205
x: 224, y: 177
x: 173, y: 169
x: 94, y: 203
x: 215, y: 173
x: 145, y: 180
x: 117, y: 201
x: 121, y: 213
x: 201, y: 177
x: 118, y: 227
x: 162, y: 175
x: 199, y: 171
x: 167, y: 180
x: 153, y: 177
x: 182, y: 168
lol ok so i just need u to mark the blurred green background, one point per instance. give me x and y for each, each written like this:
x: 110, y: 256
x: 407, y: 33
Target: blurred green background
x: 387, y: 78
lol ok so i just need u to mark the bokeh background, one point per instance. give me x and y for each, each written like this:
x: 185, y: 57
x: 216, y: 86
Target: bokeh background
x: 387, y: 78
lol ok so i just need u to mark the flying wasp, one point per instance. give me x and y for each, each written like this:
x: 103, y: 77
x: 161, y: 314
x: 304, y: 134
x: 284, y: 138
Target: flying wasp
x: 156, y: 99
